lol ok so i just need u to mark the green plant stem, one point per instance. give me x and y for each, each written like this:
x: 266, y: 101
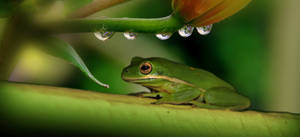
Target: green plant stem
x: 52, y: 110
x: 156, y: 25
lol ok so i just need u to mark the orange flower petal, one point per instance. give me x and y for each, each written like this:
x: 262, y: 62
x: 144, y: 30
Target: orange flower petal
x: 190, y: 9
x: 206, y: 12
x: 220, y: 12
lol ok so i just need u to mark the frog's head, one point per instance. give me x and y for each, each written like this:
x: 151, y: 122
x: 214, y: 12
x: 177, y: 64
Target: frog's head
x: 145, y: 71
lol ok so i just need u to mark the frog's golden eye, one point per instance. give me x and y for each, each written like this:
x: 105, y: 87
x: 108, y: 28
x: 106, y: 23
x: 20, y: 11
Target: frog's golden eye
x: 145, y: 68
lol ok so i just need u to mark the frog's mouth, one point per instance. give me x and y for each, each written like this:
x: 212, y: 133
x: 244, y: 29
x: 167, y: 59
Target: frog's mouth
x: 139, y: 80
x: 154, y: 77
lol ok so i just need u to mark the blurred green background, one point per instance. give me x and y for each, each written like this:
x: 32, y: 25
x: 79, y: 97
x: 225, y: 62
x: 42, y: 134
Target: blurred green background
x: 256, y: 50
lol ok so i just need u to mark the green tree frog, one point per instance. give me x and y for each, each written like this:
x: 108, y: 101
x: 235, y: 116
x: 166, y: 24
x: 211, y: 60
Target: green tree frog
x: 174, y: 83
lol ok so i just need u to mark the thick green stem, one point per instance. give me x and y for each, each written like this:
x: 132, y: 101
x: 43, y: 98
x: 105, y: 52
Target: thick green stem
x: 156, y: 25
x: 51, y: 110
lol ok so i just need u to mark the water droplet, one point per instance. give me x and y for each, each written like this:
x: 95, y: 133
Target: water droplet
x: 164, y: 36
x: 204, y: 30
x: 186, y: 31
x: 103, y: 35
x: 130, y: 35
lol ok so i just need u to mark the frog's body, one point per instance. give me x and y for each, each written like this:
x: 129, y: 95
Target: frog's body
x: 180, y: 84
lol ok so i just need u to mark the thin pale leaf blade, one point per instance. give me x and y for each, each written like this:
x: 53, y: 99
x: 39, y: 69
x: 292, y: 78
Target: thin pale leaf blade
x: 60, y: 49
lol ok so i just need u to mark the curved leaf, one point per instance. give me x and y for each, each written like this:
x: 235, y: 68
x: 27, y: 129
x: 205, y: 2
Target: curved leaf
x: 43, y: 109
x: 59, y: 48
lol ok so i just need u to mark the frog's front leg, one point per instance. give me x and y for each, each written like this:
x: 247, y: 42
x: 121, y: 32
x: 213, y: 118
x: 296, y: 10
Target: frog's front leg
x: 148, y: 94
x: 179, y: 97
x: 154, y: 95
x: 222, y: 98
x: 137, y: 93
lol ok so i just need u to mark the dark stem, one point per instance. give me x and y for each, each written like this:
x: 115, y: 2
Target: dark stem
x: 10, y: 46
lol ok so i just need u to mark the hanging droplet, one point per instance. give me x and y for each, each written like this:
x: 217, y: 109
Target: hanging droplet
x: 204, y: 30
x: 164, y: 36
x: 186, y: 31
x: 103, y: 35
x: 130, y: 35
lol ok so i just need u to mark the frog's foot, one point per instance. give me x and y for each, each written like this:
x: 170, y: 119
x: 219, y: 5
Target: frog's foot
x: 163, y: 101
x: 169, y: 100
x: 151, y: 95
x: 166, y: 101
x: 157, y: 102
x: 156, y: 95
x: 182, y: 97
x: 204, y: 105
x: 163, y: 98
x: 137, y: 93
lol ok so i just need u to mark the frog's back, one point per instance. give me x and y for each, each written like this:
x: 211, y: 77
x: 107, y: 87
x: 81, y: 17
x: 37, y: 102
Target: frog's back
x: 197, y: 77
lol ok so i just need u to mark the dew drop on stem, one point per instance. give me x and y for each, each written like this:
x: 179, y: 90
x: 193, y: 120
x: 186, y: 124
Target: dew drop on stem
x: 204, y: 30
x: 164, y: 35
x: 103, y: 35
x: 130, y: 35
x: 186, y: 31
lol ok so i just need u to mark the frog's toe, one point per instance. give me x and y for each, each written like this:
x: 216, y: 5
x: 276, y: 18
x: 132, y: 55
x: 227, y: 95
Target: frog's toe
x: 157, y: 102
x: 140, y: 94
x: 151, y: 95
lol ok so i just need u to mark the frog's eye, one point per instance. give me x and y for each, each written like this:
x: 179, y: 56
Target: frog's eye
x: 146, y: 68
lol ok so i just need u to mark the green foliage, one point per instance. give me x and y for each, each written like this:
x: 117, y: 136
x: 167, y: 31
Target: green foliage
x: 34, y: 16
x: 7, y: 7
x: 236, y: 51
